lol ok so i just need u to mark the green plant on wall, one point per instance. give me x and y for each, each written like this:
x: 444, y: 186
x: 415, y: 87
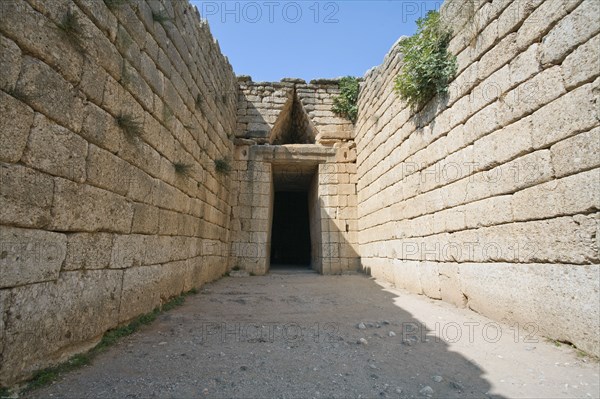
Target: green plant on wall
x: 428, y: 65
x: 182, y: 169
x: 222, y: 166
x: 112, y: 4
x: 130, y: 125
x: 72, y: 29
x: 346, y: 103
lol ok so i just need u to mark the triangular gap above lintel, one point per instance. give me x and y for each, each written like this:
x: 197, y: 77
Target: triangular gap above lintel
x: 293, y: 125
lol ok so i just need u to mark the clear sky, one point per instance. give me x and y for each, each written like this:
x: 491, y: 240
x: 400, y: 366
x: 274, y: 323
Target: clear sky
x: 270, y: 40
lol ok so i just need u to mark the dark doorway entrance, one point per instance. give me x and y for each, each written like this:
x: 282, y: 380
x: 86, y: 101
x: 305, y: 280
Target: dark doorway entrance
x: 290, y: 234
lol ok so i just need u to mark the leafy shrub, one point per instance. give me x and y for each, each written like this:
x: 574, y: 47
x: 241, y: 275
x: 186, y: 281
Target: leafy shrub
x: 428, y: 65
x: 346, y: 104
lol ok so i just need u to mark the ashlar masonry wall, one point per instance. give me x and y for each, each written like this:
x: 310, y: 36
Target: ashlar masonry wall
x: 489, y: 198
x: 97, y: 225
x: 323, y: 164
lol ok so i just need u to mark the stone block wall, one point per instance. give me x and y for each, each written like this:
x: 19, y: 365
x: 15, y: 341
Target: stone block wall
x: 489, y: 198
x: 262, y: 104
x: 328, y: 174
x: 98, y: 223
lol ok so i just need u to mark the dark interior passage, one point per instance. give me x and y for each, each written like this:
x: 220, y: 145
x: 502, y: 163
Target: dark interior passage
x: 290, y: 234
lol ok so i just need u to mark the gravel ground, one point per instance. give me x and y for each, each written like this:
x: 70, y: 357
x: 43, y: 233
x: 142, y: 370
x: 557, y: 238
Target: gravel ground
x: 298, y: 334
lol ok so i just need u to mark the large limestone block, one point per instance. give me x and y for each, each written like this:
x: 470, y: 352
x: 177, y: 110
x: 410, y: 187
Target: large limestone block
x: 502, y: 145
x: 93, y: 81
x: 147, y: 287
x: 15, y: 122
x: 49, y: 322
x: 406, y: 275
x: 558, y: 240
x: 497, y: 290
x: 541, y: 19
x: 558, y: 301
x: 430, y: 279
x: 25, y: 196
x: 127, y: 251
x: 10, y: 63
x: 56, y: 150
x: 572, y: 30
x: 79, y: 207
x: 488, y: 212
x: 39, y: 36
x: 88, y: 251
x: 574, y: 194
x: 582, y: 64
x: 108, y: 171
x: 145, y: 219
x: 531, y: 95
x: 47, y: 92
x: 574, y: 112
x: 450, y: 287
x: 99, y: 127
x: 525, y: 65
x: 30, y: 256
x: 577, y: 153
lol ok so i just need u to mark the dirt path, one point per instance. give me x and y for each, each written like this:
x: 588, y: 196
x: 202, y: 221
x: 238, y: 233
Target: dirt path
x: 296, y: 335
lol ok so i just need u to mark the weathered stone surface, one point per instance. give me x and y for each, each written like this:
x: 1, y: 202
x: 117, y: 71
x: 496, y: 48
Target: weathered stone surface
x: 574, y: 29
x: 559, y: 197
x: 25, y: 196
x: 145, y: 219
x: 78, y: 84
x: 577, y: 153
x: 49, y: 322
x: 79, y: 207
x: 47, y: 92
x: 582, y: 64
x: 93, y: 82
x: 56, y: 150
x: 30, y: 256
x: 4, y: 297
x: 147, y: 287
x: 450, y: 289
x: 108, y: 171
x: 39, y: 36
x: 430, y: 279
x: 528, y: 190
x: 574, y: 112
x: 560, y: 300
x: 88, y: 251
x: 15, y: 122
x: 100, y: 128
x: 10, y: 63
x: 128, y: 251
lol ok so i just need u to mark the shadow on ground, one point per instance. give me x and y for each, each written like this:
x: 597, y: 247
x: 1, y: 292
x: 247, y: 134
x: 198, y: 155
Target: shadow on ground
x: 281, y: 335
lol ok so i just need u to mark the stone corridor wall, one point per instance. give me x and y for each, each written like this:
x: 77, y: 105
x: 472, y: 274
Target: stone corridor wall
x: 489, y: 198
x: 97, y: 225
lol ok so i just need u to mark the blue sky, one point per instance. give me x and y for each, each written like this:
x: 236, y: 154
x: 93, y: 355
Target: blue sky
x: 270, y: 40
